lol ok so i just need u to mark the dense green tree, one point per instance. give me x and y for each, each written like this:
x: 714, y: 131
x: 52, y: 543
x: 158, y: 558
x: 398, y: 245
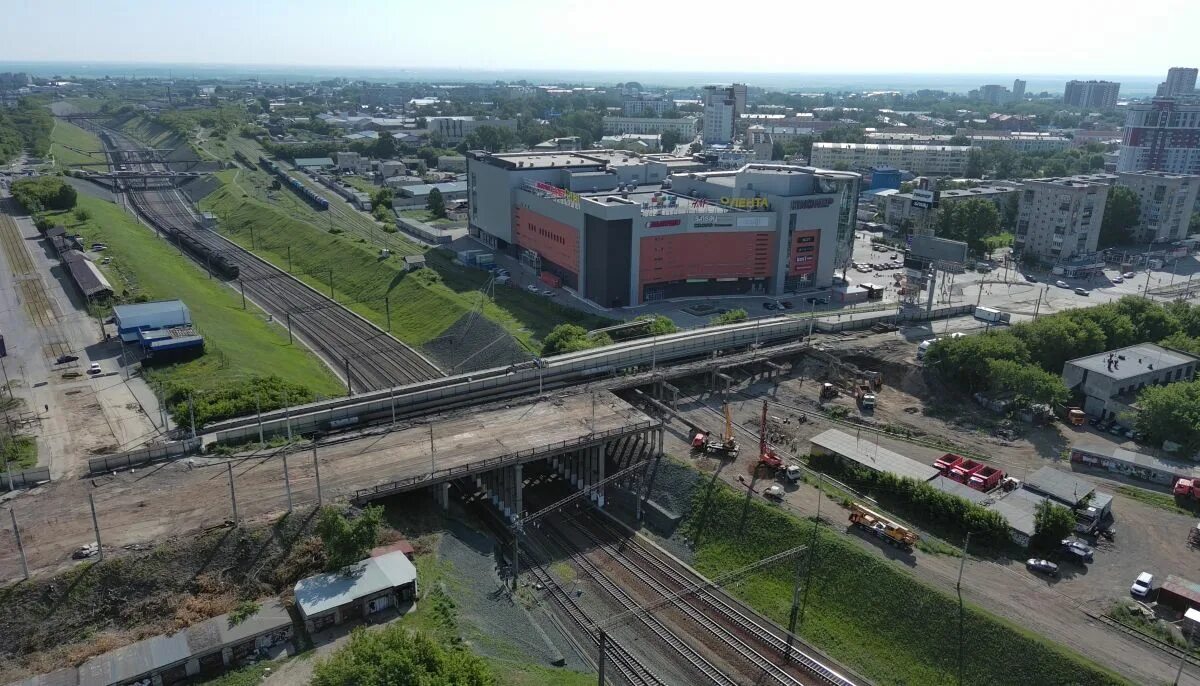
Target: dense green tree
x: 385, y: 146
x: 1052, y: 523
x: 1121, y: 211
x: 657, y: 324
x: 399, y: 656
x: 1194, y: 223
x: 669, y: 139
x: 44, y: 193
x: 1029, y: 384
x: 777, y: 151
x: 490, y: 138
x: 963, y: 362
x: 1054, y: 340
x: 1119, y: 330
x: 975, y: 169
x: 970, y: 221
x: 1151, y: 321
x: 436, y: 204
x: 1181, y: 341
x: 344, y: 540
x: 961, y: 140
x: 1171, y: 413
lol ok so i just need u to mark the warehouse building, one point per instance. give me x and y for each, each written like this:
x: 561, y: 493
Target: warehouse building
x: 418, y: 195
x: 1109, y: 382
x: 138, y: 317
x: 1132, y: 464
x: 356, y: 592
x: 589, y: 219
x: 86, y: 275
x: 869, y: 454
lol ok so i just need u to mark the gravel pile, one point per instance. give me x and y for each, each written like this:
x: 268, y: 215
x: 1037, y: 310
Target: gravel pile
x: 478, y: 340
x: 491, y: 620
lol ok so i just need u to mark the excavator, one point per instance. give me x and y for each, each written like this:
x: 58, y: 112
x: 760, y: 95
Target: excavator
x: 727, y: 446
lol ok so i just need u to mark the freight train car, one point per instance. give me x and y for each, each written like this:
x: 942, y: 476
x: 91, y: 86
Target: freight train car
x: 216, y: 261
x: 312, y: 197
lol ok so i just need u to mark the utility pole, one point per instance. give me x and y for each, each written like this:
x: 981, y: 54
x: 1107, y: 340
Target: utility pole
x: 432, y: 459
x: 600, y: 662
x: 516, y: 571
x: 287, y: 483
x: 812, y: 315
x: 21, y: 548
x: 331, y: 284
x: 242, y: 286
x: 812, y: 559
x: 349, y: 386
x: 979, y: 298
x: 1037, y: 308
x: 192, y: 414
x: 258, y: 411
x: 96, y: 526
x: 289, y: 326
x: 1182, y: 659
x: 961, y: 612
x: 392, y: 400
x: 232, y: 492
x: 387, y: 307
x: 317, y: 467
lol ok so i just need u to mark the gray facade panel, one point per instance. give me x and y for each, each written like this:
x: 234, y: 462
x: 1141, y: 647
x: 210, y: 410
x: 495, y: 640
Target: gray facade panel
x: 608, y: 261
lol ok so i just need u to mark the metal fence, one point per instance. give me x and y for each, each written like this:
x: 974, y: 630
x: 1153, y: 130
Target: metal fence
x: 893, y: 318
x: 25, y: 479
x: 133, y: 458
x: 378, y: 491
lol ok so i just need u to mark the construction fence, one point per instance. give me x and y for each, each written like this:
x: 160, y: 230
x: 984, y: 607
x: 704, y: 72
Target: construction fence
x: 133, y: 458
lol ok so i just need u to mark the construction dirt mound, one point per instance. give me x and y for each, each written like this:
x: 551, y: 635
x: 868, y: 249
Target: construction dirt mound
x: 474, y: 342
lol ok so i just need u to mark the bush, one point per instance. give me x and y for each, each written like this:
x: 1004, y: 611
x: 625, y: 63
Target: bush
x: 82, y: 215
x: 398, y: 655
x: 570, y: 338
x: 730, y: 317
x: 44, y: 193
x: 346, y: 540
x: 235, y: 399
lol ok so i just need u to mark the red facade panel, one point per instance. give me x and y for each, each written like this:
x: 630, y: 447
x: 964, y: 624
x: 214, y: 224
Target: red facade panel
x: 553, y: 240
x: 705, y: 256
x: 803, y: 252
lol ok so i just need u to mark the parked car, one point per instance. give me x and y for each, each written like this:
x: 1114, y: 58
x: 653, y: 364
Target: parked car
x: 1031, y: 278
x: 1082, y: 291
x: 1077, y: 549
x: 97, y: 247
x: 1128, y: 275
x: 94, y: 368
x: 1142, y: 585
x: 769, y: 305
x: 532, y: 288
x: 786, y: 304
x: 1042, y: 567
x: 774, y: 492
x: 63, y: 359
x: 1062, y: 284
x: 1117, y: 279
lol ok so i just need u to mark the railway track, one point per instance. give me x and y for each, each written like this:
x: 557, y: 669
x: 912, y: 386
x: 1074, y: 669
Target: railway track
x: 702, y: 666
x: 364, y: 355
x: 758, y: 643
x: 632, y: 670
x: 32, y: 289
x: 1124, y: 628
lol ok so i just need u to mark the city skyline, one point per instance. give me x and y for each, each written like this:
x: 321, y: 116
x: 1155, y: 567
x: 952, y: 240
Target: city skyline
x: 572, y: 38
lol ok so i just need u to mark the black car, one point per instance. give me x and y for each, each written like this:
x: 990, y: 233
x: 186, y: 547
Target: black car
x: 1077, y: 549
x: 63, y: 359
x: 1042, y: 566
x: 1031, y: 278
x: 786, y: 304
x: 770, y: 306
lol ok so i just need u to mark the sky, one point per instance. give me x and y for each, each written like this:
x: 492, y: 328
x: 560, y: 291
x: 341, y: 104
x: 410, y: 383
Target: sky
x: 1018, y: 37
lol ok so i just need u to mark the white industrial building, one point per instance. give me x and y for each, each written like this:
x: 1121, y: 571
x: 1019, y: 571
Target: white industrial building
x: 686, y: 127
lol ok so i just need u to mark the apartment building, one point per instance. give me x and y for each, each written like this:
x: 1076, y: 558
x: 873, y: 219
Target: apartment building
x: 720, y: 114
x: 454, y: 130
x: 1166, y: 203
x: 1161, y: 135
x: 1059, y: 218
x: 1092, y: 95
x: 687, y: 127
x: 1180, y: 81
x: 759, y: 134
x: 936, y: 160
x: 899, y: 207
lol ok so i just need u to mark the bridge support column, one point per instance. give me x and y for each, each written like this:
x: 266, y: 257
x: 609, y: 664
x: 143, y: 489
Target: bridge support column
x: 518, y: 497
x: 441, y: 495
x: 599, y: 494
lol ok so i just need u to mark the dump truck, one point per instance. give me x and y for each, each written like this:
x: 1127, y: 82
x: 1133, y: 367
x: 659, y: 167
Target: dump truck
x: 963, y: 471
x: 878, y: 525
x: 864, y: 394
x: 985, y: 479
x: 947, y: 462
x: 1187, y: 488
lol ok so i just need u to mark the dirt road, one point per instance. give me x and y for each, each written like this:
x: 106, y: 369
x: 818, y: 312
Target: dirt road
x: 1052, y: 609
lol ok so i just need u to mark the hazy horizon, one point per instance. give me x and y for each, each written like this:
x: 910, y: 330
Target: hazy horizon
x: 771, y: 39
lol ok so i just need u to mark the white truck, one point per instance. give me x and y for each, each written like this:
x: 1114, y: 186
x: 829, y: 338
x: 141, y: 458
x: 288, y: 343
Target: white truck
x: 924, y: 347
x: 991, y: 315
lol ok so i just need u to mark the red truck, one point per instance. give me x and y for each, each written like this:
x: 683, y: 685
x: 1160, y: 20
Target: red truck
x: 947, y: 462
x: 963, y: 471
x: 1187, y: 488
x: 985, y: 479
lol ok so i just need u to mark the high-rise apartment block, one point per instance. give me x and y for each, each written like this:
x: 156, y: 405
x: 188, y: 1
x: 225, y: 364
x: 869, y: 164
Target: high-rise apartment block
x: 1092, y: 95
x: 1059, y: 218
x: 720, y: 113
x: 1018, y: 90
x: 1161, y: 135
x: 1166, y: 203
x: 1180, y: 81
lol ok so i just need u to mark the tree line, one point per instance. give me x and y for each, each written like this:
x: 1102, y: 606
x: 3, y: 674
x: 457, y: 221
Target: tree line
x: 24, y: 127
x: 1027, y: 359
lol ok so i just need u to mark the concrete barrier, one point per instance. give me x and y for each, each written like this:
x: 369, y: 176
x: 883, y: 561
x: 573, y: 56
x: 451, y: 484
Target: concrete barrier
x: 25, y: 479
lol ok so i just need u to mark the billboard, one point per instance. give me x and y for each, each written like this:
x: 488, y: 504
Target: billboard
x: 938, y: 249
x: 924, y: 199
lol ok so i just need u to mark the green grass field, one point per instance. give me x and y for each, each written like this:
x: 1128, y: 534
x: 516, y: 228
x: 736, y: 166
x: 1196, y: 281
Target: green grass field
x: 1165, y: 501
x: 420, y: 310
x: 67, y: 134
x: 423, y: 215
x: 20, y: 452
x: 239, y: 343
x: 868, y: 612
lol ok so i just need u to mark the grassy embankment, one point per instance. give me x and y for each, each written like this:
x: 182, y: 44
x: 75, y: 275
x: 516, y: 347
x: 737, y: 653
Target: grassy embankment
x: 867, y: 612
x: 239, y: 344
x: 66, y: 142
x: 1164, y: 501
x: 421, y: 309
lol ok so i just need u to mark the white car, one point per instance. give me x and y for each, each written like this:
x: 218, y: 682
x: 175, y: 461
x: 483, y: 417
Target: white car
x: 1062, y: 284
x: 1128, y: 275
x: 532, y: 288
x: 94, y: 368
x: 1142, y: 585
